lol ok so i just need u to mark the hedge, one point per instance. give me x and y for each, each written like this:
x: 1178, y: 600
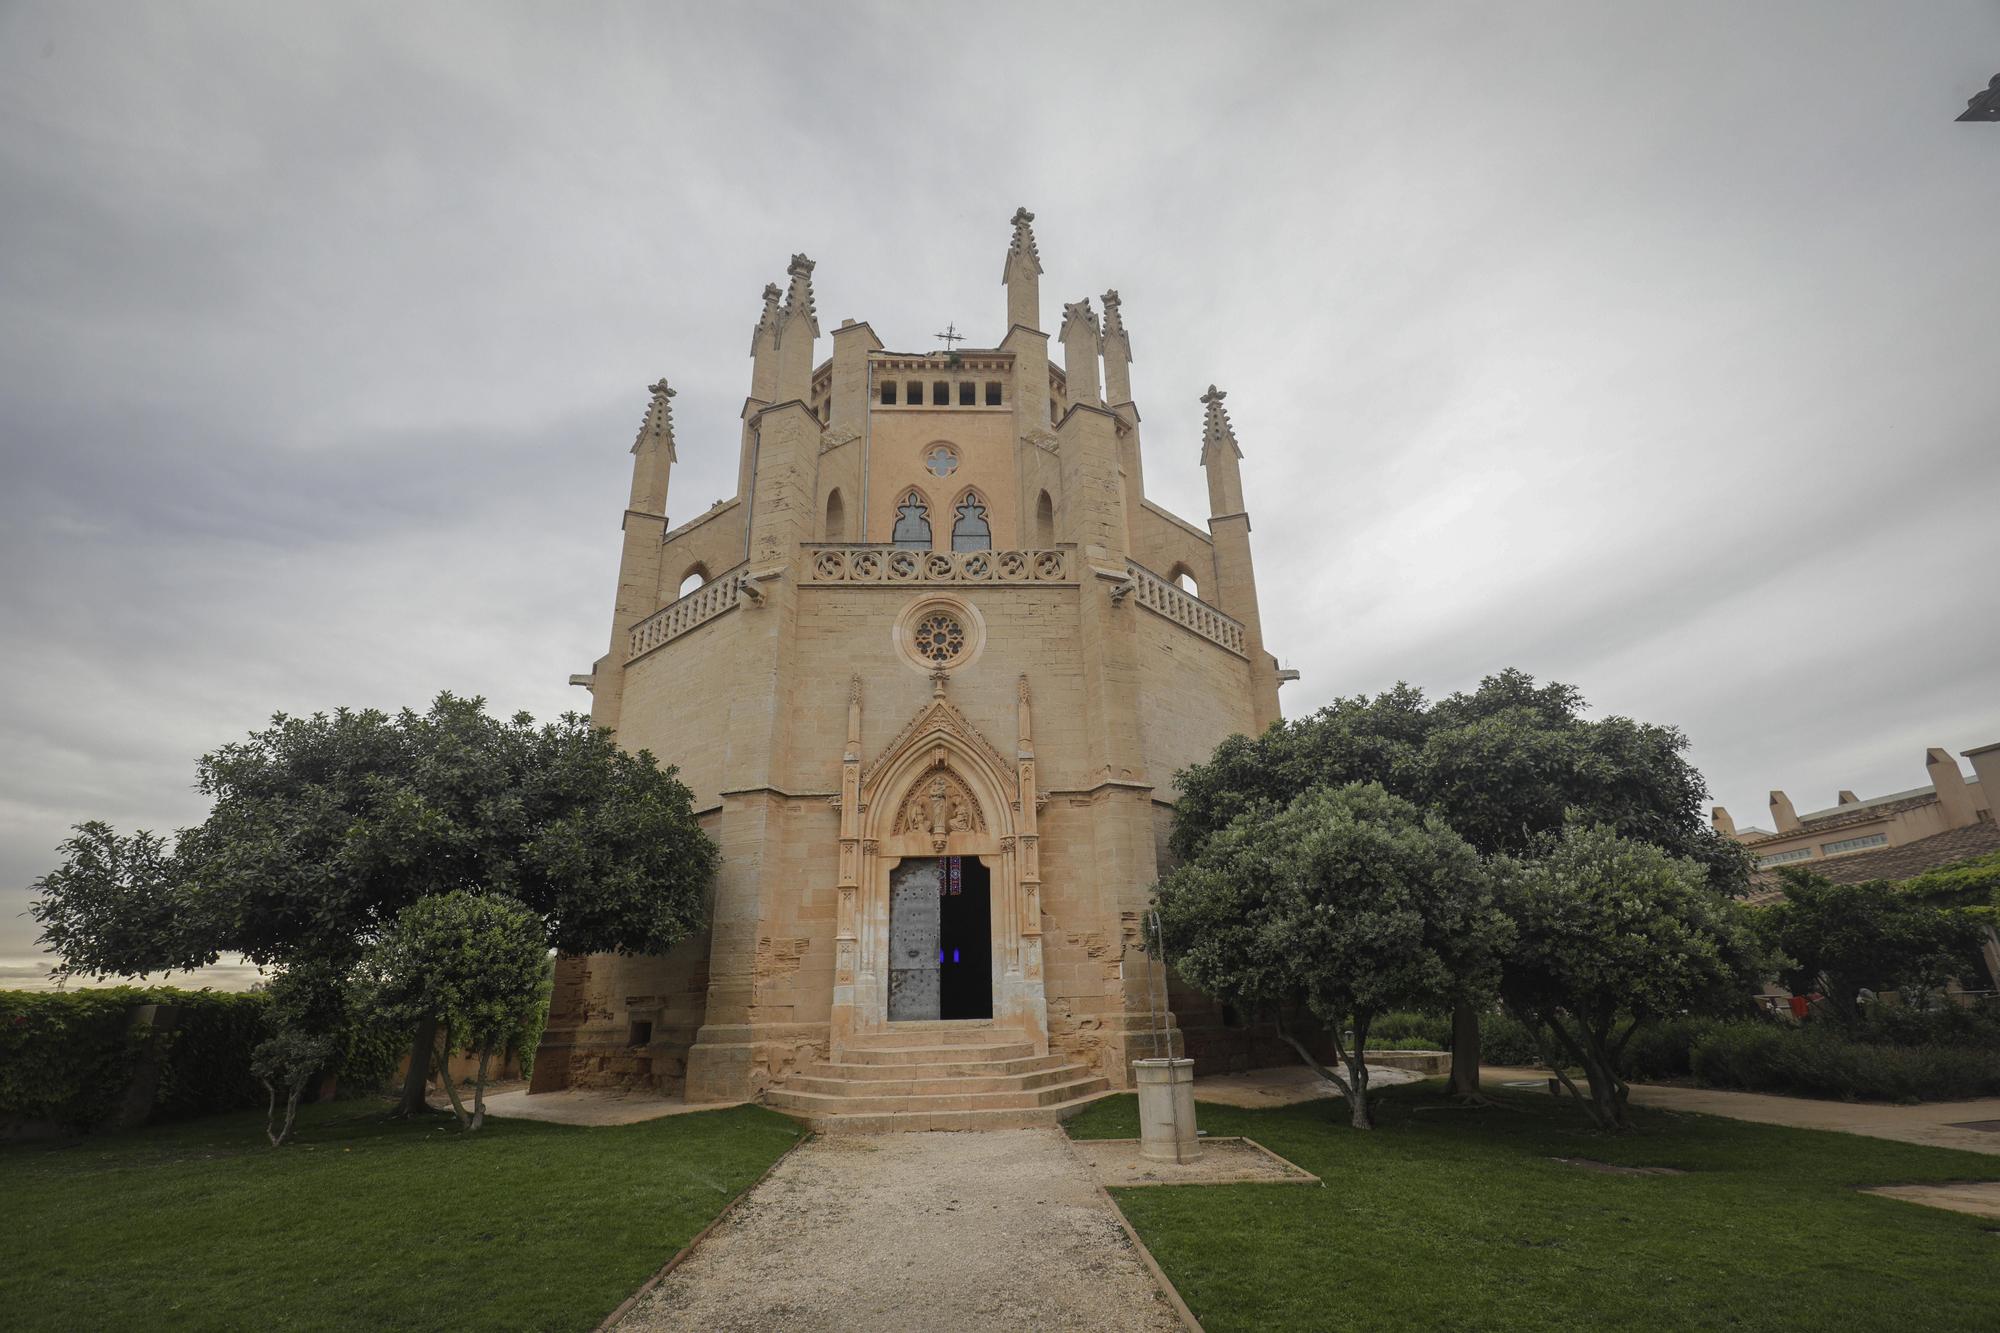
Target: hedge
x: 70, y: 1056
x: 1896, y: 1056
x: 1503, y: 1039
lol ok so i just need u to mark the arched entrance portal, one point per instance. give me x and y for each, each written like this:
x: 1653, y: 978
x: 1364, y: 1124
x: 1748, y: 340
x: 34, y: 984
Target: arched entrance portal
x: 939, y: 910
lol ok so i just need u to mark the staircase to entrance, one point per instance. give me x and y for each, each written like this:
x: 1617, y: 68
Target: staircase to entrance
x: 947, y: 1074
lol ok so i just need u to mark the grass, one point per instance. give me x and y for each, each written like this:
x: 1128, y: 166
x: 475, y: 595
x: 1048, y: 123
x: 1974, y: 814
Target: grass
x: 1448, y: 1218
x: 364, y: 1222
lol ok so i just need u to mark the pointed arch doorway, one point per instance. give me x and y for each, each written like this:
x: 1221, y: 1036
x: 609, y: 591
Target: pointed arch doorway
x: 940, y: 809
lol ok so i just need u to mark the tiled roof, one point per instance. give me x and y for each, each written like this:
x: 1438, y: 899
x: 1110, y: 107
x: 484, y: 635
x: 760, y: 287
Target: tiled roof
x: 1912, y: 858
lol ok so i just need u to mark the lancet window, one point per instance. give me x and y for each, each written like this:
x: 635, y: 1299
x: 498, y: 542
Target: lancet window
x: 969, y: 529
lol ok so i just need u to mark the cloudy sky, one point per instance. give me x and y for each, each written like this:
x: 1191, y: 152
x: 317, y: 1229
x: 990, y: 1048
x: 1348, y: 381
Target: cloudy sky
x: 1645, y: 347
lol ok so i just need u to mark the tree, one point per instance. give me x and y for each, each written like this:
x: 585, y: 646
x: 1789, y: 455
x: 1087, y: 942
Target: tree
x: 473, y: 961
x: 1345, y: 904
x: 1839, y: 938
x: 1610, y: 933
x: 306, y: 1012
x: 325, y: 827
x: 1503, y: 765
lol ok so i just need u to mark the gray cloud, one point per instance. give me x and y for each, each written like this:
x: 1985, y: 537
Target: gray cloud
x: 1644, y: 349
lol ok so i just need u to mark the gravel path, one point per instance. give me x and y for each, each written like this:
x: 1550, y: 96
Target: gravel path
x: 998, y: 1229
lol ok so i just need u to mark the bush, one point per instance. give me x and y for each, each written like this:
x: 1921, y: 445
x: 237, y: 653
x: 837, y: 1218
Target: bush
x: 1403, y: 1030
x: 1819, y: 1061
x: 70, y: 1056
x: 1973, y: 882
x: 1506, y: 1040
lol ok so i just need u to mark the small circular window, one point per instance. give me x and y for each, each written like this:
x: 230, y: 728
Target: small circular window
x: 940, y: 632
x: 941, y: 460
x: 939, y: 638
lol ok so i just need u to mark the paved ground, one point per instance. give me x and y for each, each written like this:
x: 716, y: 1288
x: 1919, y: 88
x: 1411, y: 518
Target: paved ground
x: 991, y: 1230
x: 1935, y: 1124
x: 1981, y: 1198
x: 585, y: 1107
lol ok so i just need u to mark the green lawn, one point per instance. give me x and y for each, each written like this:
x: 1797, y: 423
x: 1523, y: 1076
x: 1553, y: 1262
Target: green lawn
x: 1448, y: 1218
x: 363, y: 1223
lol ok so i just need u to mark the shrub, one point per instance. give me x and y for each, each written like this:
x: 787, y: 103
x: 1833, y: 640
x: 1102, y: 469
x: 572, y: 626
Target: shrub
x: 69, y: 1056
x: 1506, y: 1040
x: 1819, y: 1061
x: 1973, y: 882
x: 1404, y: 1030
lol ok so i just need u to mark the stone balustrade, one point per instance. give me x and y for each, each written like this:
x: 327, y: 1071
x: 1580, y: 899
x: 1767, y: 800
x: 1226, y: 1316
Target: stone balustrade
x: 1185, y: 609
x: 676, y: 618
x: 882, y: 564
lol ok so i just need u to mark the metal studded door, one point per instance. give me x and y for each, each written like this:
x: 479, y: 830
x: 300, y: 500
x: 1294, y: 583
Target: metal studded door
x: 913, y: 939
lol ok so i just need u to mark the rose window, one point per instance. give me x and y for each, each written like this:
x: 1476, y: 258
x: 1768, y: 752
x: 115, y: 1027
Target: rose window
x: 941, y: 461
x: 939, y: 638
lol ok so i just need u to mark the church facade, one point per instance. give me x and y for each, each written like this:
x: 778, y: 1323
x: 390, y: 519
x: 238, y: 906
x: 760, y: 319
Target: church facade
x: 929, y: 675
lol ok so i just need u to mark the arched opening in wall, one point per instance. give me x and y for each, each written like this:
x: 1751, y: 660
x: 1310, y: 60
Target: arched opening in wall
x: 1183, y: 579
x: 836, y: 517
x: 969, y: 529
x: 1045, y: 521
x: 694, y: 578
x: 913, y: 523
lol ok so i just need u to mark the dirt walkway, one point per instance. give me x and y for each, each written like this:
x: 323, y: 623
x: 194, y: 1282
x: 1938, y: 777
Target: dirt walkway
x: 1934, y: 1124
x: 1001, y: 1229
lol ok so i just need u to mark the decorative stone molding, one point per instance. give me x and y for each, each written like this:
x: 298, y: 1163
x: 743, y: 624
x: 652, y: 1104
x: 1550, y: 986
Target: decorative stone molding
x: 1043, y: 440
x: 1186, y: 610
x: 674, y: 619
x: 940, y: 806
x: 877, y: 565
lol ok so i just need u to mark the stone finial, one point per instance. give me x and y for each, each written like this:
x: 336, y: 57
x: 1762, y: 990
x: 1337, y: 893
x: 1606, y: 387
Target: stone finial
x: 1114, y: 322
x: 767, y: 323
x: 1079, y: 312
x: 799, y: 294
x: 854, y: 689
x: 1216, y: 429
x: 1023, y: 247
x: 658, y: 424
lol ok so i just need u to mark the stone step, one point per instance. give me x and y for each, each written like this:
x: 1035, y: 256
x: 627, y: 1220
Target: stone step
x: 897, y: 1122
x: 932, y: 1055
x: 935, y: 1085
x: 1024, y: 1064
x: 941, y: 1032
x: 784, y: 1099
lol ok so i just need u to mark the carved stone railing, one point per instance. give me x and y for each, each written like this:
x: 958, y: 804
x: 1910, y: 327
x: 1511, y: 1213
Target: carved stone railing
x: 674, y: 619
x: 1186, y: 610
x: 883, y: 564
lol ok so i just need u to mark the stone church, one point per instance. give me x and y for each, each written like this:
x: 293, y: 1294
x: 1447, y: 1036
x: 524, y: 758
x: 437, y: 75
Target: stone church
x: 929, y: 676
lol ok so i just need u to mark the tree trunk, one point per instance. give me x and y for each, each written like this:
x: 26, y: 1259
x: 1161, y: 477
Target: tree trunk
x: 412, y: 1101
x: 1357, y: 1073
x: 450, y: 1087
x: 479, y: 1085
x: 1464, y: 1052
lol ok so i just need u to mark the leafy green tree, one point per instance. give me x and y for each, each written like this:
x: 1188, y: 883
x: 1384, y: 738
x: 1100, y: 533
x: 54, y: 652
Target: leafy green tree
x: 1503, y: 765
x: 476, y: 961
x: 1612, y: 932
x: 287, y: 1060
x: 1839, y: 938
x: 324, y: 828
x: 1347, y: 903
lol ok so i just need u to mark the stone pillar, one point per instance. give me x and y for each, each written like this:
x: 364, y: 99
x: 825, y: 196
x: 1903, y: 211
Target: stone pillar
x: 1949, y: 783
x: 1022, y: 274
x: 645, y: 522
x: 1229, y: 533
x: 1783, y: 817
x: 1117, y: 348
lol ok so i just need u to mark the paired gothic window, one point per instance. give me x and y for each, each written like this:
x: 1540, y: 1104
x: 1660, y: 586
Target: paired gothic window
x: 913, y: 524
x: 970, y: 530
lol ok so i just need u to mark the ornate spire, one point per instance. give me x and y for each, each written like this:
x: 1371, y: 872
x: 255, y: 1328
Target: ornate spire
x: 1215, y: 427
x: 1022, y: 247
x: 1080, y: 339
x: 767, y: 323
x: 1080, y: 313
x: 799, y: 295
x: 658, y: 425
x: 1114, y: 322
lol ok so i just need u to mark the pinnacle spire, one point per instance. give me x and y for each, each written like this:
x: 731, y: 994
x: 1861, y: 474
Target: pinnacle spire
x: 1215, y: 427
x: 1022, y: 247
x: 1114, y: 322
x: 767, y: 323
x: 1079, y: 312
x: 658, y: 424
x: 799, y: 294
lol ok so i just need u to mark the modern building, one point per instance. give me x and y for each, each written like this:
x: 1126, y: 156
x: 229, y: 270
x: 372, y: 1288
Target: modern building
x: 928, y: 674
x: 1883, y: 837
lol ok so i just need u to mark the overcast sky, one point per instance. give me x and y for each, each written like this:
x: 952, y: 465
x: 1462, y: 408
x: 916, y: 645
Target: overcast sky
x: 1646, y: 347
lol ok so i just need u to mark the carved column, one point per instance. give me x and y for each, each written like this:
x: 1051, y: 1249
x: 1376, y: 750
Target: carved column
x: 1028, y: 845
x: 847, y: 911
